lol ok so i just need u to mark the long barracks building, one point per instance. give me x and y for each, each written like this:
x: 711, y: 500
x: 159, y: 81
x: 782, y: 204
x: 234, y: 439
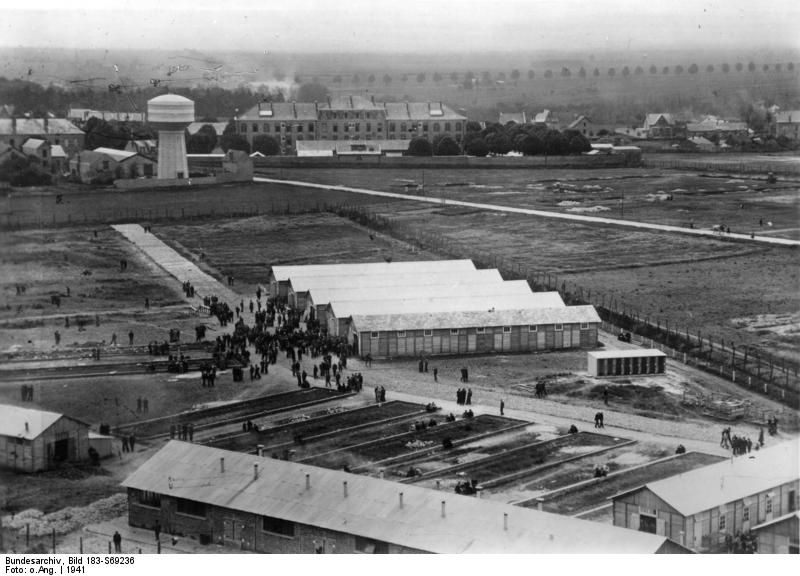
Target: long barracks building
x: 350, y: 118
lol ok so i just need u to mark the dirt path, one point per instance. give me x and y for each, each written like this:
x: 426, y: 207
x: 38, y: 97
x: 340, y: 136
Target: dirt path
x: 542, y: 213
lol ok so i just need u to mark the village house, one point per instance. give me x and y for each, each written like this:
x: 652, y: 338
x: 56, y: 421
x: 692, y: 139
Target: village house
x: 111, y: 164
x: 661, y: 127
x: 703, y: 508
x: 787, y: 123
x: 583, y: 125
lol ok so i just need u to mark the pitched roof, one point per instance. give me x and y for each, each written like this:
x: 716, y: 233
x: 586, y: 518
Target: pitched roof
x: 14, y: 419
x: 33, y: 143
x: 515, y: 117
x: 711, y: 124
x: 399, y: 111
x: 36, y: 126
x: 652, y: 119
x: 372, y: 507
x: 730, y: 480
x: 57, y: 151
x: 790, y: 516
x: 543, y: 117
x: 283, y: 273
x: 437, y: 320
x: 117, y: 155
x: 575, y: 123
x: 626, y: 353
x: 498, y: 300
x: 299, y: 111
x: 430, y: 277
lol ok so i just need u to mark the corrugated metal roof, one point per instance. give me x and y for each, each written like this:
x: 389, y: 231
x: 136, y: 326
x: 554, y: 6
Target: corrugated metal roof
x: 447, y: 303
x: 14, y: 418
x: 285, y: 273
x: 398, y: 111
x: 439, y: 320
x: 302, y: 111
x: 34, y: 126
x: 429, y: 278
x: 32, y: 143
x: 728, y: 481
x: 447, y: 288
x: 57, y: 151
x: 117, y: 155
x: 372, y: 509
x: 627, y: 353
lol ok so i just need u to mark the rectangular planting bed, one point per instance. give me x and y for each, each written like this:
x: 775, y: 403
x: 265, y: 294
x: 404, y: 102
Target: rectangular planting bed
x: 412, y: 443
x: 494, y: 467
x: 282, y: 437
x: 232, y: 412
x: 584, y: 497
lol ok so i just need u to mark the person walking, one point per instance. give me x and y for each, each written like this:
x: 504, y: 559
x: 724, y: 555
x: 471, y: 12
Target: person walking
x: 435, y: 374
x: 117, y: 542
x: 157, y: 530
x: 57, y: 336
x: 469, y: 397
x: 130, y: 338
x: 502, y: 407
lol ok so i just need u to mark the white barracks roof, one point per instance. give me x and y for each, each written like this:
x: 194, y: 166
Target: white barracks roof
x: 13, y: 420
x: 448, y: 303
x: 627, y: 353
x: 413, y: 291
x: 372, y: 506
x: 401, y: 278
x: 728, y: 481
x: 441, y: 320
x: 284, y: 273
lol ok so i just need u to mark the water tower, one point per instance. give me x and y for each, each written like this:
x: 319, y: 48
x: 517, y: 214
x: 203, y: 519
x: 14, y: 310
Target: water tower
x: 170, y: 114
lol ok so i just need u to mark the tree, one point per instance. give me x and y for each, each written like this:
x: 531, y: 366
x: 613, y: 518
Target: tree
x: 267, y: 145
x: 531, y: 74
x: 473, y: 126
x: 751, y: 66
x: 23, y: 172
x: 234, y: 142
x: 790, y: 66
x: 726, y: 67
x: 765, y: 67
x: 554, y: 143
x: 693, y: 68
x: 499, y: 143
x: 446, y: 146
x: 678, y: 69
x: 371, y: 79
x: 531, y: 145
x: 548, y: 73
x: 420, y: 147
x: 203, y: 141
x: 312, y: 93
x: 665, y: 70
x: 576, y: 142
x: 653, y: 69
x: 515, y: 75
x: 421, y: 77
x: 710, y: 68
x: 477, y: 147
x: 387, y: 79
x: 626, y: 71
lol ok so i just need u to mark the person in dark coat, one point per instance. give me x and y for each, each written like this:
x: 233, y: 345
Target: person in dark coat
x: 117, y: 542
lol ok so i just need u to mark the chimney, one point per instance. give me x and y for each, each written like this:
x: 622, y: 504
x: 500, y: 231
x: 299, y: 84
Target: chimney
x: 401, y: 500
x: 308, y: 481
x: 344, y: 486
x: 505, y: 521
x: 222, y: 465
x: 255, y: 471
x: 443, y: 514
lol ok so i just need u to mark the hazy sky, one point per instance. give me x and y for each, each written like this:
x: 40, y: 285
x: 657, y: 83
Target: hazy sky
x: 400, y: 25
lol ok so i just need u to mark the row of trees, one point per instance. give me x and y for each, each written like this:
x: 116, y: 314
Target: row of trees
x: 23, y: 172
x: 469, y: 78
x: 529, y: 140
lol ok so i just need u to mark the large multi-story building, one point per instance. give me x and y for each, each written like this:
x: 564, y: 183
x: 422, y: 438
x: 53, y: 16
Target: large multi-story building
x: 54, y: 131
x: 350, y: 118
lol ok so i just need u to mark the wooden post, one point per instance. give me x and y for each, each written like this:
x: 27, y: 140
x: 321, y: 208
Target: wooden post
x: 54, y: 540
x: 27, y: 535
x: 81, y: 545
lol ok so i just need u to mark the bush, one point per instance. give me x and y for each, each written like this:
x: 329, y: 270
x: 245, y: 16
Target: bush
x: 420, y: 147
x: 267, y: 145
x: 477, y: 147
x: 446, y: 146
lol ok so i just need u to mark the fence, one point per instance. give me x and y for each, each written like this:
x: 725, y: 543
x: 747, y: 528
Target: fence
x: 745, y: 366
x: 704, y: 165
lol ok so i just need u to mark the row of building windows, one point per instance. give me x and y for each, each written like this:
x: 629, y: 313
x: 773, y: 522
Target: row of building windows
x: 355, y: 126
x: 457, y: 331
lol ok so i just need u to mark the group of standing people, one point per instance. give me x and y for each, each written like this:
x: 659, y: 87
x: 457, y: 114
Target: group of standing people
x: 464, y: 396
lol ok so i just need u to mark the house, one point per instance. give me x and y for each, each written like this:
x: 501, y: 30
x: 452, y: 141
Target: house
x: 702, y: 507
x: 711, y: 126
x: 36, y: 440
x: 110, y: 164
x: 514, y: 117
x: 661, y: 127
x: 583, y: 125
x: 787, y: 123
x: 147, y: 147
x: 83, y: 115
x: 268, y: 505
x: 547, y: 118
x: 53, y: 158
x: 15, y: 131
x: 7, y: 152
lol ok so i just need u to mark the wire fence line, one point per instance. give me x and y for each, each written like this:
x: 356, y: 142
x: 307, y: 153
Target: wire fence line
x: 732, y: 166
x: 744, y: 365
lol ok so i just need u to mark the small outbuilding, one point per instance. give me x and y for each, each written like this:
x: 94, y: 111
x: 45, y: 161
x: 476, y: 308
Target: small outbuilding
x: 631, y: 362
x: 35, y: 440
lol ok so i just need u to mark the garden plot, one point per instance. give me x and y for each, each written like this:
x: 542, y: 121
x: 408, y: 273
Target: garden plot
x: 283, y: 436
x: 583, y: 497
x: 496, y: 468
x: 233, y: 411
x: 406, y: 446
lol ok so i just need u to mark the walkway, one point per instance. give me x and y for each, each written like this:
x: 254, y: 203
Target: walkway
x: 542, y: 213
x: 175, y: 264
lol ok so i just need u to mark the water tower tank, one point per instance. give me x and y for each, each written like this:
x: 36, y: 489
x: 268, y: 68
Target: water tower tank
x: 170, y: 114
